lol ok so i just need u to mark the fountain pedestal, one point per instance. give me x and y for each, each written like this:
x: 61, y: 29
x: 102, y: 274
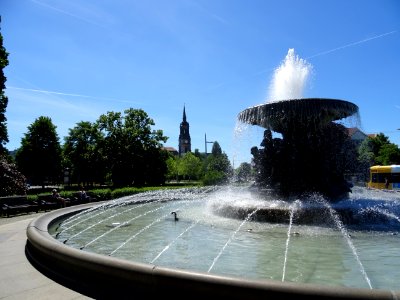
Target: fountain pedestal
x: 314, y: 151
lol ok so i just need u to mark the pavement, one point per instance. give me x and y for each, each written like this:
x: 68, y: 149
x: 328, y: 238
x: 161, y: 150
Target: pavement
x: 18, y: 278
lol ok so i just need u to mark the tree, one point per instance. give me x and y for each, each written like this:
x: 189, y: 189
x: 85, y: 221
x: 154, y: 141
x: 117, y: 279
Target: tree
x: 244, y: 172
x: 11, y: 180
x: 217, y: 168
x: 155, y: 166
x: 81, y: 153
x: 189, y: 166
x: 389, y: 154
x: 378, y: 142
x: 216, y: 149
x: 378, y: 151
x: 133, y: 150
x: 3, y: 98
x: 365, y: 154
x: 172, y: 167
x: 39, y: 157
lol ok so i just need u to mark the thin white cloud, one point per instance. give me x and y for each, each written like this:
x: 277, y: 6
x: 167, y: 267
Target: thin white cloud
x: 208, y: 13
x: 71, y: 95
x: 28, y: 105
x: 353, y: 44
x: 62, y: 11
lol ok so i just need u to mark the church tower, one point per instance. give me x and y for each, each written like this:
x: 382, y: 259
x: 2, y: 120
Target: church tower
x: 184, y: 136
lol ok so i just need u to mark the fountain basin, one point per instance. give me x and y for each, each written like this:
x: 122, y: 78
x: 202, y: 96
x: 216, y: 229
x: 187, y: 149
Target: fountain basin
x: 103, y: 276
x: 306, y: 216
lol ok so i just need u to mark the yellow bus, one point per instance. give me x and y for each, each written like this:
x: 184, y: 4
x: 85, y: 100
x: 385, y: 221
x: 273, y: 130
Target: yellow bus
x: 384, y: 177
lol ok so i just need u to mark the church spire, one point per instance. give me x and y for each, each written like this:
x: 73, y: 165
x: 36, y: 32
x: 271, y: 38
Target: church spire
x: 184, y: 136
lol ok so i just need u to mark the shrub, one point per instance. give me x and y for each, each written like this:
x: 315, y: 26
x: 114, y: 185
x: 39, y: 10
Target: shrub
x: 12, y: 182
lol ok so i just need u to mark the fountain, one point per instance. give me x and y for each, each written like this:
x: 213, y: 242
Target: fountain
x: 300, y: 240
x: 313, y: 153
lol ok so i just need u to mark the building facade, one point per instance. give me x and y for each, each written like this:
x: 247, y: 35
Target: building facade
x: 184, y: 136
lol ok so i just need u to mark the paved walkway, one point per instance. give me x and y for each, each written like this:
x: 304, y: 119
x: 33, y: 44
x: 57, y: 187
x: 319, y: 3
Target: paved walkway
x: 18, y: 278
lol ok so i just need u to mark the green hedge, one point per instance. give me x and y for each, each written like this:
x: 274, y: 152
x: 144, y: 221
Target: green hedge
x: 107, y: 193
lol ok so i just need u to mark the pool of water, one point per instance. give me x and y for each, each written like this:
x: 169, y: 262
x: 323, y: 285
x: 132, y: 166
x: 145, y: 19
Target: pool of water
x: 141, y: 228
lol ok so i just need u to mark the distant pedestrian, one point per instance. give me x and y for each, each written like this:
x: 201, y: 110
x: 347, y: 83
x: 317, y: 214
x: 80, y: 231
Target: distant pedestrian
x: 386, y: 183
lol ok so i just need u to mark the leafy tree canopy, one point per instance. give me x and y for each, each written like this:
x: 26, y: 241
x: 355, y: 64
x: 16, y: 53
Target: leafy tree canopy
x: 82, y: 155
x: 378, y: 151
x: 189, y: 165
x: 39, y: 156
x: 389, y: 154
x: 216, y: 149
x: 132, y: 148
x: 217, y: 167
x: 243, y: 172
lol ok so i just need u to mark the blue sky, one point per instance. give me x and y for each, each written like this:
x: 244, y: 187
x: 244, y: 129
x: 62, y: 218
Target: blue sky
x: 73, y: 60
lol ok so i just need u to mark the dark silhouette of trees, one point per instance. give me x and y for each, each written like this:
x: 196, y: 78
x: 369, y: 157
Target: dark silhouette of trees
x: 12, y: 182
x: 39, y: 157
x: 132, y: 149
x: 155, y: 170
x: 3, y: 98
x: 120, y: 149
x: 82, y: 155
x: 216, y: 149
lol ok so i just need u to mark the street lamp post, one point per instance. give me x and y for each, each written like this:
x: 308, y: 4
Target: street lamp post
x: 66, y: 176
x: 206, y: 142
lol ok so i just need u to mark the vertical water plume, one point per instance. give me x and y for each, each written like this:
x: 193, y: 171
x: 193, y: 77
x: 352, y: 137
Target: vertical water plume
x: 289, y: 78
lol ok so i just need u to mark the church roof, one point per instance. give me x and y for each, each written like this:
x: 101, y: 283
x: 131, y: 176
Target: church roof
x: 171, y: 149
x: 356, y: 134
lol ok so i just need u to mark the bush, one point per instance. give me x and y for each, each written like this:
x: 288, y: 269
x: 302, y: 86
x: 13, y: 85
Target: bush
x: 214, y: 178
x: 12, y: 182
x: 108, y: 194
x: 122, y: 192
x: 101, y: 194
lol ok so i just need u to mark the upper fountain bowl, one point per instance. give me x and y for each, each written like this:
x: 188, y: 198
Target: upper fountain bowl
x: 281, y: 115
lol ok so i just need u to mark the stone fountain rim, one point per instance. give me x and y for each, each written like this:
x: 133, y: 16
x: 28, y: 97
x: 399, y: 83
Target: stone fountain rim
x: 98, y: 276
x: 309, y: 99
x: 276, y: 115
